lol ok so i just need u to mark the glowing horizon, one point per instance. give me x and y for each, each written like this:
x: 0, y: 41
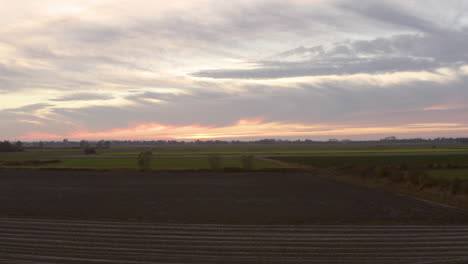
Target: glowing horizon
x: 250, y: 129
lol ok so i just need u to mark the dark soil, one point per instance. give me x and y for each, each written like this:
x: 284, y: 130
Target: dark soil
x: 204, y: 197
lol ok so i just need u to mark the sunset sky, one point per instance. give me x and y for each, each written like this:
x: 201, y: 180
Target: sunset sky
x: 241, y: 69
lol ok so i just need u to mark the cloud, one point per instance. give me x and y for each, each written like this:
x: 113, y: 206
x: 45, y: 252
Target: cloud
x: 29, y: 108
x: 355, y: 99
x: 109, y: 65
x: 399, y: 53
x: 83, y: 97
x: 385, y: 12
x: 274, y: 70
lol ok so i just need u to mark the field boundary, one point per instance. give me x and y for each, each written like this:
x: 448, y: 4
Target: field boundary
x: 458, y: 202
x: 227, y: 169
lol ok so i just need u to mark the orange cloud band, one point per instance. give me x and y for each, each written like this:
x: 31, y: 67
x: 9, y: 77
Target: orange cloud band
x: 249, y: 128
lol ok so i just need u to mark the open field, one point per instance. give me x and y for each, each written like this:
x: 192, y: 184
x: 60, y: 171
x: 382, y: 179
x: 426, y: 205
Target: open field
x: 161, y: 217
x: 204, y: 197
x: 31, y: 154
x: 377, y: 160
x: 285, y: 151
x: 245, y: 149
x: 73, y: 242
x: 195, y: 157
x: 157, y: 163
x: 296, y: 148
x: 461, y: 174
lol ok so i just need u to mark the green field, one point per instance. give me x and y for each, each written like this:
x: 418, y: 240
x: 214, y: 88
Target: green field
x: 450, y: 174
x: 380, y: 160
x: 157, y: 163
x: 272, y: 151
x: 39, y: 154
x: 322, y: 156
x: 243, y: 149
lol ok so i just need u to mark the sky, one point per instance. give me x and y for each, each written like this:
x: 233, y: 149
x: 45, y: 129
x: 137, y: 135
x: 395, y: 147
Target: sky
x: 241, y: 69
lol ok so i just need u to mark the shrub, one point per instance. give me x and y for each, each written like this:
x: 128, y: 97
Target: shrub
x: 443, y: 183
x: 89, y: 151
x: 380, y: 172
x: 248, y: 162
x: 215, y: 162
x: 455, y: 186
x: 464, y: 187
x: 414, y: 176
x: 427, y: 182
x: 396, y: 176
x: 404, y: 166
x: 452, y: 165
x: 362, y: 171
x: 144, y: 160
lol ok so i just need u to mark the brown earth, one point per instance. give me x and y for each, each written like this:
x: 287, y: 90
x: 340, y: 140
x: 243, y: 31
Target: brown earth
x: 208, y: 197
x: 85, y: 217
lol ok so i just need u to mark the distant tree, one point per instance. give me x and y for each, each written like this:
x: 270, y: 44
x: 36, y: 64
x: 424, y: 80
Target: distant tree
x: 391, y: 138
x: 5, y: 146
x: 101, y: 144
x: 84, y: 144
x: 144, y: 160
x: 215, y: 162
x: 19, y: 146
x: 89, y: 151
x: 248, y: 162
x: 41, y: 145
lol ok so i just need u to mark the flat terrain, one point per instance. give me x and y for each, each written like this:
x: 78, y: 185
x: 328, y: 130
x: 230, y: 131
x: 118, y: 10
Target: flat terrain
x: 450, y: 174
x: 204, y: 197
x: 161, y: 217
x: 377, y: 159
x: 287, y: 152
x: 157, y: 163
x: 79, y: 242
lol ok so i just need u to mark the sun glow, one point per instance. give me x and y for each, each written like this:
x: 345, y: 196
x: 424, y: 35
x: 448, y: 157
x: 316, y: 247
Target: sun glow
x: 248, y: 128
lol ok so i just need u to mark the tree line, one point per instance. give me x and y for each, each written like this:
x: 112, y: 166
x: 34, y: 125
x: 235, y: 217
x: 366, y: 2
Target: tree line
x: 6, y: 146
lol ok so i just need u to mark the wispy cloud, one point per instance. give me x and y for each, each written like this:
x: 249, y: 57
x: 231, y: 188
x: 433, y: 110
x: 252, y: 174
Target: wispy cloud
x: 83, y: 97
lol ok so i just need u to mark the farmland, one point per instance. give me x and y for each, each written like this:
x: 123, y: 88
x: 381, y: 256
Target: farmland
x: 72, y: 158
x: 157, y: 163
x: 282, y: 151
x: 218, y: 217
x: 208, y: 197
x: 195, y: 157
x: 449, y: 174
x: 182, y: 211
x: 413, y: 160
